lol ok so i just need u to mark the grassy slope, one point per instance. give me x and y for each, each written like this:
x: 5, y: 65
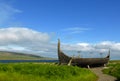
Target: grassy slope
x: 18, y: 56
x: 44, y: 72
x: 114, y: 69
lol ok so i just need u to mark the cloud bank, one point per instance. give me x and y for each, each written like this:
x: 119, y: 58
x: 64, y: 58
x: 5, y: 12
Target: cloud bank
x: 23, y: 39
x: 21, y: 35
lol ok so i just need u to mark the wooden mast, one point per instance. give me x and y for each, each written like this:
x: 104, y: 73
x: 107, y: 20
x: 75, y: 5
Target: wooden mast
x: 59, y: 57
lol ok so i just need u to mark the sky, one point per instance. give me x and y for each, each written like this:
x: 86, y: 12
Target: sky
x: 34, y: 26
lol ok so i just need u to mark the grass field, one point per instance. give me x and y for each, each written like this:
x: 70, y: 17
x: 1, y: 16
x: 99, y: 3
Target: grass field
x: 44, y: 72
x: 114, y: 69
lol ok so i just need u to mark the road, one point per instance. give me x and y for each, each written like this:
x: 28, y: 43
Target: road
x: 102, y: 77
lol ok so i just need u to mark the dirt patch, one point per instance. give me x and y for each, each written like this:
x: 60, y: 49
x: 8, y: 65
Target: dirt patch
x: 102, y: 77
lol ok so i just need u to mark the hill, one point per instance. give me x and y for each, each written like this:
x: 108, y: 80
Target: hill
x: 5, y: 55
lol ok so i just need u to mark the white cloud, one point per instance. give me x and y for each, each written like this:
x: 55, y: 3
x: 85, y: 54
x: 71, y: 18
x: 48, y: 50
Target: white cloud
x: 21, y: 35
x: 109, y: 45
x: 7, y: 12
x: 78, y: 47
x: 76, y: 30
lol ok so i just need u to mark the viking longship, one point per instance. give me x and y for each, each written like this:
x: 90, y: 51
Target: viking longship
x: 83, y: 62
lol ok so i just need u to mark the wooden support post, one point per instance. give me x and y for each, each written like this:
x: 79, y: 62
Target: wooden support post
x: 69, y: 63
x: 88, y: 66
x: 104, y: 65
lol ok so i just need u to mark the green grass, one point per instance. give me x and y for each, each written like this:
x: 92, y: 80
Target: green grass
x: 114, y: 69
x: 44, y: 72
x: 114, y: 61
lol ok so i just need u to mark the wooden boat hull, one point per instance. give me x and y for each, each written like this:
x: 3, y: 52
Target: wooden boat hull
x: 64, y: 59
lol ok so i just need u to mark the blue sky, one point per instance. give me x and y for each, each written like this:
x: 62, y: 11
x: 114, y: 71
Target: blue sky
x: 91, y: 22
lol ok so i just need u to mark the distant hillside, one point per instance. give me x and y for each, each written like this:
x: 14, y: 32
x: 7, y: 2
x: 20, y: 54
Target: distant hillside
x: 19, y: 56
